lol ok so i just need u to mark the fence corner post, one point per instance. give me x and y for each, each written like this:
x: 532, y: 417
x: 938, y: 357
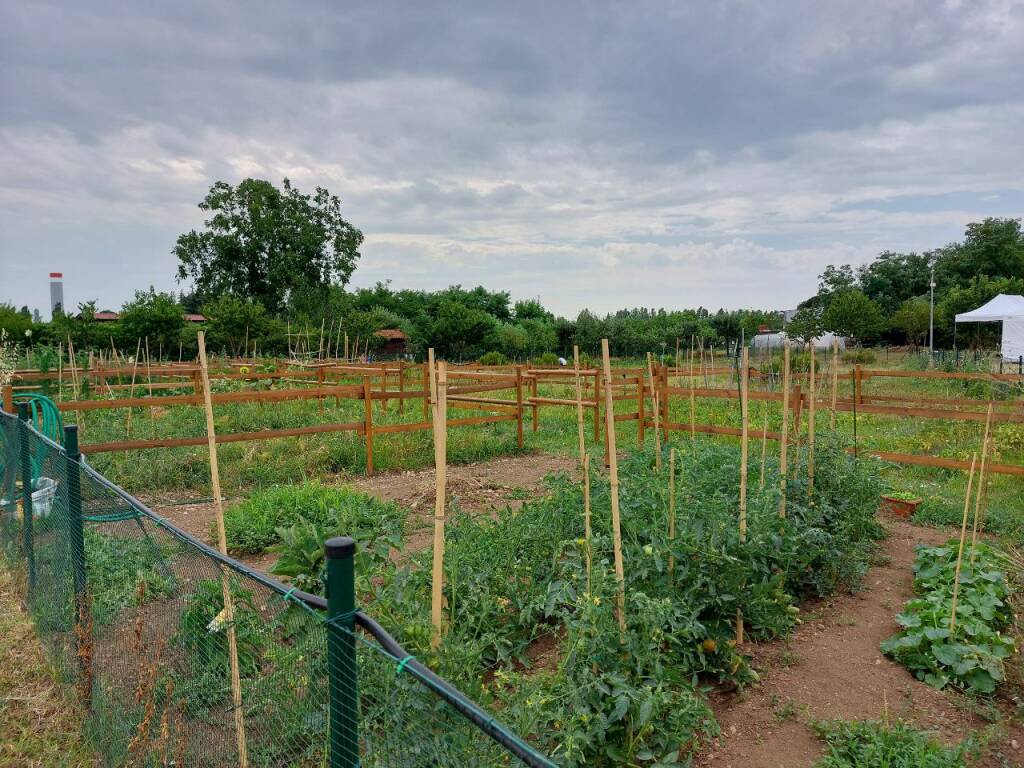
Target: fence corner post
x: 341, y: 652
x: 26, y: 493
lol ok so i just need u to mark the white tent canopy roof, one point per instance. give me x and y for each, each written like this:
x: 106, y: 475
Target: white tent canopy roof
x: 1003, y: 307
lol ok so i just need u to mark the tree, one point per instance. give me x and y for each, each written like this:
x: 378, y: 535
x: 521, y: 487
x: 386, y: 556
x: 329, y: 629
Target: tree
x: 235, y: 323
x: 913, y: 318
x: 265, y: 242
x: 459, y: 331
x: 154, y: 316
x: 993, y: 247
x: 852, y: 314
x: 892, y: 278
x: 805, y: 325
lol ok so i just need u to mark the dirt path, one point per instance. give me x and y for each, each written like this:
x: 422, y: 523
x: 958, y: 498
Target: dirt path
x: 832, y: 668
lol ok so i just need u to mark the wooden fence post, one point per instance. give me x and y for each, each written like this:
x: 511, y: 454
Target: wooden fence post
x: 597, y: 406
x: 427, y: 368
x: 641, y: 410
x: 368, y: 423
x: 401, y: 386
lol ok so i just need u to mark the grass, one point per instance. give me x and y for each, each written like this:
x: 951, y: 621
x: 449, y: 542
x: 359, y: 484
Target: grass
x: 870, y: 744
x: 39, y: 723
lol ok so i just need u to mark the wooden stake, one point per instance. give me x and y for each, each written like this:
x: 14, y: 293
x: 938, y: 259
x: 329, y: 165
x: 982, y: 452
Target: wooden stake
x: 785, y: 429
x: 835, y: 383
x: 439, y: 387
x: 656, y: 406
x: 744, y: 383
x: 693, y: 400
x: 981, y: 481
x: 764, y: 445
x: 229, y: 611
x: 810, y: 431
x: 671, y: 509
x: 131, y: 389
x: 346, y: 346
x: 584, y: 461
x: 960, y: 551
x: 613, y: 479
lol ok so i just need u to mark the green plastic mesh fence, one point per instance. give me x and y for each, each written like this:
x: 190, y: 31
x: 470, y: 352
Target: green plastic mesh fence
x: 132, y: 614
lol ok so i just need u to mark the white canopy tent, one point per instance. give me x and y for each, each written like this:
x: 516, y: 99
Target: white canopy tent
x: 1007, y: 309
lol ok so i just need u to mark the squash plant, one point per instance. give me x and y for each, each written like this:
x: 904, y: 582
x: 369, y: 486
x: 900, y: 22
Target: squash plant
x: 972, y: 655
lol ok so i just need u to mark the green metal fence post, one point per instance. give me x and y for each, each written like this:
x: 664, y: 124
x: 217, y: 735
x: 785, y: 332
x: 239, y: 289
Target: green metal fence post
x: 76, y: 529
x: 26, y: 493
x: 341, y: 652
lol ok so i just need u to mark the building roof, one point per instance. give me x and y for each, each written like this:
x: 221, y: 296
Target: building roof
x: 105, y: 315
x: 391, y: 334
x: 195, y: 317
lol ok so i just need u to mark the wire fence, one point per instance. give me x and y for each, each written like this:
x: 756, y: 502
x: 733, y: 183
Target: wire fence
x: 131, y: 611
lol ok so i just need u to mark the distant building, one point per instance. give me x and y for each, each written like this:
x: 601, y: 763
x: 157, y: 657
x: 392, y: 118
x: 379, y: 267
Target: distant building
x: 394, y: 341
x: 776, y: 340
x: 106, y: 316
x: 56, y: 293
x: 195, y: 317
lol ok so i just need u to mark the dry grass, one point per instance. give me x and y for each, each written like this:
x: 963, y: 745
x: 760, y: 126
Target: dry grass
x: 39, y: 724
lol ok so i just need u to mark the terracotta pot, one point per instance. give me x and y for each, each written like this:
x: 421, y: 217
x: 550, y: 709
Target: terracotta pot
x: 899, y: 507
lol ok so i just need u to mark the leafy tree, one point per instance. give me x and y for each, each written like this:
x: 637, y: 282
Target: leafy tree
x: 835, y: 279
x: 805, y: 325
x: 235, y: 323
x: 15, y: 323
x: 852, y: 314
x: 892, y: 278
x: 154, y: 316
x: 912, y: 318
x: 993, y: 247
x: 512, y: 341
x: 265, y: 242
x: 460, y: 331
x: 531, y: 309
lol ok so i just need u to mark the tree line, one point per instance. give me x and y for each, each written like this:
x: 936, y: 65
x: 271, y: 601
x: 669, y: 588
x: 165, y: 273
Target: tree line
x: 271, y: 266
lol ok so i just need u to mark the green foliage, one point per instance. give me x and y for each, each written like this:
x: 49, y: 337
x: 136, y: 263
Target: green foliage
x: 492, y: 358
x: 866, y: 744
x: 520, y: 578
x: 972, y: 655
x: 860, y: 356
x: 805, y: 325
x: 122, y: 570
x: 264, y: 242
x: 234, y: 323
x: 852, y: 314
x: 912, y: 318
x: 546, y: 360
x: 254, y: 524
x: 154, y: 316
x: 15, y: 324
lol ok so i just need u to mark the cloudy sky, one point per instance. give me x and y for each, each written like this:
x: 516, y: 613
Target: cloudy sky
x: 592, y: 154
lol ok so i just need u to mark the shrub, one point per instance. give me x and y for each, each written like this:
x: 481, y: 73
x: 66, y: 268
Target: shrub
x: 492, y: 358
x: 252, y: 525
x: 547, y: 360
x: 860, y: 356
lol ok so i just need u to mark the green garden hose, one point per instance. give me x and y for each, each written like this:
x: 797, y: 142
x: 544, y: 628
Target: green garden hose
x: 46, y: 417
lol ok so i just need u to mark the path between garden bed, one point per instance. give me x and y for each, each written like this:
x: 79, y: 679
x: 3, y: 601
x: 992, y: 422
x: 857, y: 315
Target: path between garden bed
x: 481, y: 488
x: 832, y: 668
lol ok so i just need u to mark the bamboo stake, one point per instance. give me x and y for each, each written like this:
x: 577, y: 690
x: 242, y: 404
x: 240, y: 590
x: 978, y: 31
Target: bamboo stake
x: 960, y: 552
x: 131, y: 389
x: 671, y: 510
x: 677, y: 359
x: 584, y: 462
x: 835, y: 383
x: 657, y: 411
x: 744, y: 448
x: 785, y: 429
x: 810, y: 431
x: 613, y: 479
x: 981, y: 481
x: 764, y: 444
x: 693, y: 400
x: 439, y: 386
x: 229, y: 611
x: 60, y: 372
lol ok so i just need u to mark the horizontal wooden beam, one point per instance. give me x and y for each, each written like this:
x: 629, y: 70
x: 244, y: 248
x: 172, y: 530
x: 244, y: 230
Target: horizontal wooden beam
x: 233, y: 437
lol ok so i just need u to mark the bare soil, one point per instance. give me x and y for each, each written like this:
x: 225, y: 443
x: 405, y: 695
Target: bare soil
x: 832, y: 668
